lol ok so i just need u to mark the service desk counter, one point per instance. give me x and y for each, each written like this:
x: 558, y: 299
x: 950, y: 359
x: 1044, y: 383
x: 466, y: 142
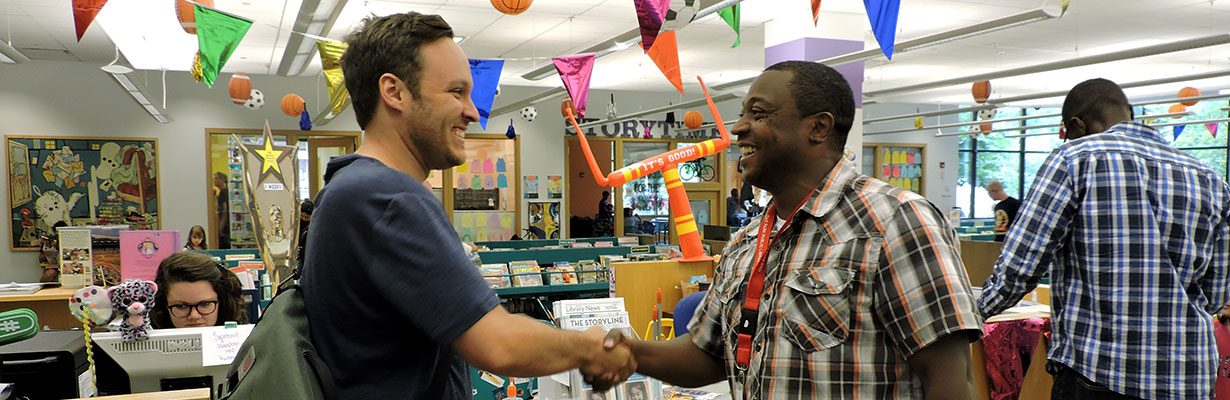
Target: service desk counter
x: 188, y: 394
x: 50, y: 304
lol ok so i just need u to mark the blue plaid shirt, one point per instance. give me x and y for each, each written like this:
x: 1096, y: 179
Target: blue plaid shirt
x: 1136, y: 235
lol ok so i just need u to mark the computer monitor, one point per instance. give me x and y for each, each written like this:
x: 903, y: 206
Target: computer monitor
x: 169, y: 360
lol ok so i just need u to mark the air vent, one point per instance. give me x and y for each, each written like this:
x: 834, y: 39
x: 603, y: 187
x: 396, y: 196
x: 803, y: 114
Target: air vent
x: 48, y: 54
x: 164, y: 346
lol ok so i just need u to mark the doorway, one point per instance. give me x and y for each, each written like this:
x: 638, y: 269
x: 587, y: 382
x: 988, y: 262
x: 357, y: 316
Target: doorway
x: 320, y: 151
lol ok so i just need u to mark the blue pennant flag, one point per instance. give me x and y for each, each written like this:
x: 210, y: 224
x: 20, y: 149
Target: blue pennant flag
x: 511, y: 133
x: 1178, y: 129
x: 305, y: 120
x: 486, y: 75
x: 883, y: 17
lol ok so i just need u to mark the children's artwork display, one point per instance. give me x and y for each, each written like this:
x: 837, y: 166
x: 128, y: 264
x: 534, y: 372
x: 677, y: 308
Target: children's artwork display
x: 544, y: 219
x: 485, y: 198
x: 79, y: 181
x: 531, y: 187
x: 555, y: 187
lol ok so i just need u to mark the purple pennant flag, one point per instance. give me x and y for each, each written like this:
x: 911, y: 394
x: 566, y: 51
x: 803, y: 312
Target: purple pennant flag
x: 650, y: 18
x: 575, y: 71
x: 1178, y: 129
x: 883, y: 17
x: 1212, y: 127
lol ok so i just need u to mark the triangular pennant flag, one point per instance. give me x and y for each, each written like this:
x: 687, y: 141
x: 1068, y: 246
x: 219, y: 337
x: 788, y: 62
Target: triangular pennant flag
x: 511, y: 133
x: 305, y: 120
x: 1178, y: 129
x: 815, y: 12
x: 331, y: 66
x: 1063, y: 7
x: 883, y: 17
x: 575, y: 71
x: 218, y: 34
x: 1212, y: 127
x: 731, y: 16
x: 665, y: 53
x: 84, y: 12
x: 650, y: 19
x: 486, y: 75
x: 663, y: 5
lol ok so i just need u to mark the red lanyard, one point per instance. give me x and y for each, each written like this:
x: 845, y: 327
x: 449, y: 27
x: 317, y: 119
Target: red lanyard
x: 746, y: 328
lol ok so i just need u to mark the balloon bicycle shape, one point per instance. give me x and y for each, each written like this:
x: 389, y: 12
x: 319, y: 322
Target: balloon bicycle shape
x: 667, y: 163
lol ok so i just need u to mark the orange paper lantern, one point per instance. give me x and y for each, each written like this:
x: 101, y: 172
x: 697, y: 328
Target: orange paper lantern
x: 240, y: 88
x: 511, y: 7
x: 1177, y: 108
x: 981, y: 91
x: 187, y: 14
x: 566, y: 105
x: 292, y: 105
x: 693, y: 119
x: 985, y: 129
x: 1189, y: 92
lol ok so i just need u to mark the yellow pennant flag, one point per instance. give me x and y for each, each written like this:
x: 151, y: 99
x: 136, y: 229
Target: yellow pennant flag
x: 331, y: 64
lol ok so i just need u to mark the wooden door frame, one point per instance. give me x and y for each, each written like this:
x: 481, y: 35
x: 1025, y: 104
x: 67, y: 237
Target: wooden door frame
x: 314, y: 144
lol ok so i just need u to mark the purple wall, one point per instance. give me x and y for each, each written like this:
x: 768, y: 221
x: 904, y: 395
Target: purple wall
x: 815, y: 49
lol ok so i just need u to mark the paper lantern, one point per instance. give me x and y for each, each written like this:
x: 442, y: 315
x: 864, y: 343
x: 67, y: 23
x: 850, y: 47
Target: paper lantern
x: 981, y: 91
x: 566, y: 105
x: 1177, y: 108
x: 693, y: 119
x: 985, y: 129
x: 240, y: 88
x: 1189, y: 92
x: 187, y: 14
x: 292, y: 105
x: 511, y: 7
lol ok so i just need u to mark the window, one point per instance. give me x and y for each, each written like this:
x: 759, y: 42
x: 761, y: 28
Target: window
x: 1207, y: 143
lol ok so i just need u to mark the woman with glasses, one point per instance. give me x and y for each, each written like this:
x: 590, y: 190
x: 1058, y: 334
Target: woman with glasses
x: 195, y: 290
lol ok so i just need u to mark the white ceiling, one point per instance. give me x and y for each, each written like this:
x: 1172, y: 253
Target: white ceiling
x: 149, y: 37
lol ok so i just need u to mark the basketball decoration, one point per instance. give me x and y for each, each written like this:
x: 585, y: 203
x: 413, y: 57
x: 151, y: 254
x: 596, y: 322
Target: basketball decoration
x: 985, y: 129
x: 511, y: 7
x: 981, y: 91
x: 1189, y: 92
x: 693, y: 119
x: 292, y: 105
x: 1178, y: 108
x: 187, y: 13
x: 566, y: 105
x: 240, y: 88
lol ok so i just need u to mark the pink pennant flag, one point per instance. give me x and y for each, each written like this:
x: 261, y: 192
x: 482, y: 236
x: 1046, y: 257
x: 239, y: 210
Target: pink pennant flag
x: 1212, y: 126
x: 575, y: 71
x: 662, y: 7
x: 650, y: 19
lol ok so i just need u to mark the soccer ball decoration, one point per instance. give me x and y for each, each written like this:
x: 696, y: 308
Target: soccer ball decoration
x: 529, y: 113
x: 986, y: 114
x: 679, y: 14
x: 256, y: 101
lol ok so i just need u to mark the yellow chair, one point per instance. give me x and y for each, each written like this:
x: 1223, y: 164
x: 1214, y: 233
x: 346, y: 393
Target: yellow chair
x: 668, y: 330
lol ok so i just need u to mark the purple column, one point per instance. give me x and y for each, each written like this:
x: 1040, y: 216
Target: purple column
x: 813, y: 49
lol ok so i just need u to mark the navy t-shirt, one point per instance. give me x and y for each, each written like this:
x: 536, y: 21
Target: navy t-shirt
x: 387, y: 286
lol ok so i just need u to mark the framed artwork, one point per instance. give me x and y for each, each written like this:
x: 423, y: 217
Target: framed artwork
x: 80, y: 181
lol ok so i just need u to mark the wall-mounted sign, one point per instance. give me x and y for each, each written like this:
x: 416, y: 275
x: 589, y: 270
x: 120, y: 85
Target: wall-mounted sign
x: 644, y: 129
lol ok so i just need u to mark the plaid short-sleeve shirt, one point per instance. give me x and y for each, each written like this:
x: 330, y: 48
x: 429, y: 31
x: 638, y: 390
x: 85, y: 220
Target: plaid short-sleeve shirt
x: 865, y: 276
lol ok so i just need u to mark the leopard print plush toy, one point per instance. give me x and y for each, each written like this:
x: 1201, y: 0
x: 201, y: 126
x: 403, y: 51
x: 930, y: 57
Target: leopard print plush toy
x: 132, y: 301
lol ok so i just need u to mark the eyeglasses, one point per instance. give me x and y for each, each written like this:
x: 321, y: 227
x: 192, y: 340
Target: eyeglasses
x: 203, y: 308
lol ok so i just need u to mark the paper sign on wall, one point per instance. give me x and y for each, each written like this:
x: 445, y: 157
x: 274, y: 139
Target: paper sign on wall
x: 142, y: 251
x: 219, y: 347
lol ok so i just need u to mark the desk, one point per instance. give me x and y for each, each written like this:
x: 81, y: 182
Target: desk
x: 187, y: 394
x: 50, y: 304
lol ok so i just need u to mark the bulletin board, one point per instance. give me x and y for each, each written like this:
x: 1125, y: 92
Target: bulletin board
x: 900, y: 164
x: 484, y: 200
x: 80, y: 180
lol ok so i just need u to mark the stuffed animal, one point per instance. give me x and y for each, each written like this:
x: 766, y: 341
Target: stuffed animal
x: 132, y: 301
x: 92, y: 304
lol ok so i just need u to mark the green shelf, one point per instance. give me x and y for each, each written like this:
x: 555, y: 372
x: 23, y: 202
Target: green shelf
x: 576, y: 288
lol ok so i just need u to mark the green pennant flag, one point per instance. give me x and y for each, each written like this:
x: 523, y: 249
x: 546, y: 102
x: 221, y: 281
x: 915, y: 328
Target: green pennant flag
x: 731, y: 16
x: 218, y: 34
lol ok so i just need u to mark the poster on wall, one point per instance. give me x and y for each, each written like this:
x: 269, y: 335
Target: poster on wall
x: 80, y: 181
x: 544, y: 220
x: 555, y: 187
x: 531, y: 186
x: 76, y: 260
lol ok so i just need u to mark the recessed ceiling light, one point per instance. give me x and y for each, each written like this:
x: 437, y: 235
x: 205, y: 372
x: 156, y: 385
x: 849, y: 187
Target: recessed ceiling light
x: 1223, y: 91
x: 459, y: 39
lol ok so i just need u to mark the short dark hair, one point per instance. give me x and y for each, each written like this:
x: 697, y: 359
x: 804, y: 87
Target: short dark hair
x: 187, y: 266
x: 1094, y: 99
x: 818, y: 88
x: 387, y: 44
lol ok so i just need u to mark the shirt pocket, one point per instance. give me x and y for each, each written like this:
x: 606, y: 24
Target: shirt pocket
x: 817, y: 307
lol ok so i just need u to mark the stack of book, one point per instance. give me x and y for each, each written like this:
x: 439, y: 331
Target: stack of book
x: 562, y: 274
x: 496, y: 275
x: 581, y: 315
x: 525, y: 273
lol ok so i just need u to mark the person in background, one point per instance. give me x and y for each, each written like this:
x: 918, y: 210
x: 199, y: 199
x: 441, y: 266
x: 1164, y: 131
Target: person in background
x: 223, y: 211
x: 196, y: 239
x: 1136, y: 237
x: 605, y: 223
x: 632, y: 223
x: 735, y: 213
x: 1005, y: 209
x: 390, y: 258
x: 850, y: 288
x: 1221, y: 331
x: 305, y: 219
x: 195, y: 290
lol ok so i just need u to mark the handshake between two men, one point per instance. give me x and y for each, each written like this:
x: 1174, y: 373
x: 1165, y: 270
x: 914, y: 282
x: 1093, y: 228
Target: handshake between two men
x: 677, y: 362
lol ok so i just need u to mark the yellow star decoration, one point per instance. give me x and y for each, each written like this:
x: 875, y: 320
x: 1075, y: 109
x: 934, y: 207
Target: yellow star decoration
x: 269, y: 158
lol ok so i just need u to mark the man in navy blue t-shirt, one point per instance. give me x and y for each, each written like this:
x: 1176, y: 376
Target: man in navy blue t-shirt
x: 396, y: 308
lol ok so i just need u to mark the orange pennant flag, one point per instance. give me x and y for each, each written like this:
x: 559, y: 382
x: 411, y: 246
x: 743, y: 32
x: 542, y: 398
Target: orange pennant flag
x: 84, y: 12
x: 815, y: 12
x: 665, y: 53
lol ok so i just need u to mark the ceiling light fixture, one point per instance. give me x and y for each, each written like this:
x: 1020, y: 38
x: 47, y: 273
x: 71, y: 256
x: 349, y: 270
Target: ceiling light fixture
x: 1011, y: 21
x: 1029, y: 127
x: 459, y: 39
x: 116, y: 69
x: 316, y: 18
x: 1206, y: 121
x: 1187, y: 44
x: 137, y: 92
x: 526, y: 102
x: 959, y: 124
x: 10, y: 54
x: 1001, y: 101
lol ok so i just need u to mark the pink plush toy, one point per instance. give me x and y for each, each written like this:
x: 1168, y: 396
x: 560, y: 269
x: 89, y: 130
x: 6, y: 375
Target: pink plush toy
x: 132, y: 301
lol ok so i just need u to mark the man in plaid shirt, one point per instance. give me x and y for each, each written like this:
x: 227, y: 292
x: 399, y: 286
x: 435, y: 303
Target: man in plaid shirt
x: 862, y: 290
x: 1135, y: 234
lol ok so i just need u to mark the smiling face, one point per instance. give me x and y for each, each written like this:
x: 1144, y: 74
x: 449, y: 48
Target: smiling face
x: 769, y: 130
x: 436, y: 120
